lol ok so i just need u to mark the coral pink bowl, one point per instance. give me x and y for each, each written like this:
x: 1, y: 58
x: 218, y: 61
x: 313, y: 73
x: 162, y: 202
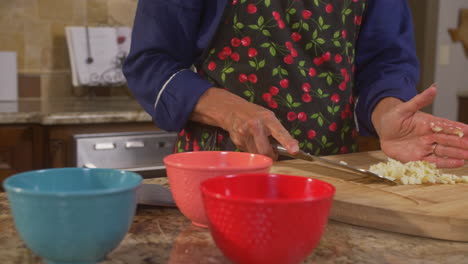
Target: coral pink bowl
x: 187, y: 170
x: 267, y: 218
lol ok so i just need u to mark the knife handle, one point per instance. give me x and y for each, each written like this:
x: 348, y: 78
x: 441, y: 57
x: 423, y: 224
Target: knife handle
x: 283, y: 152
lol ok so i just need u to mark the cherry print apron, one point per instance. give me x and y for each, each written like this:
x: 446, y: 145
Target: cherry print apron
x: 294, y: 57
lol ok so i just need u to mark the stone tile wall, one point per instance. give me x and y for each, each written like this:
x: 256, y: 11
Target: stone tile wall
x: 35, y: 30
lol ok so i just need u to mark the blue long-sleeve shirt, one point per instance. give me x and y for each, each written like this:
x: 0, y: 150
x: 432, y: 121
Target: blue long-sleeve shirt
x: 170, y: 35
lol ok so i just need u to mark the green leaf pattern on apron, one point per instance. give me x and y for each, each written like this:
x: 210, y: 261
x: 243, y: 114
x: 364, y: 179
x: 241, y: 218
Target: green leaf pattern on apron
x: 294, y: 57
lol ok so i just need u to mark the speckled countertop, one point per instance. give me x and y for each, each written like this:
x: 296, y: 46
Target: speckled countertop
x: 72, y: 111
x: 163, y: 235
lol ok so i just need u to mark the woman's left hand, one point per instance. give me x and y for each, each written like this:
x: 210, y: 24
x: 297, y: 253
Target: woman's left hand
x: 407, y: 134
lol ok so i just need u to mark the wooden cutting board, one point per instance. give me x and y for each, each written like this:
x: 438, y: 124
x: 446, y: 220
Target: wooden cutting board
x: 430, y: 210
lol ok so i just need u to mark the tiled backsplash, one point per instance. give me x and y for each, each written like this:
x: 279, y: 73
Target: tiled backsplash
x: 35, y: 30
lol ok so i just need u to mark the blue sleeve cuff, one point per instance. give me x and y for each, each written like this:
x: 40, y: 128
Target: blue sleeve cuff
x: 177, y: 100
x: 401, y: 87
x: 386, y: 61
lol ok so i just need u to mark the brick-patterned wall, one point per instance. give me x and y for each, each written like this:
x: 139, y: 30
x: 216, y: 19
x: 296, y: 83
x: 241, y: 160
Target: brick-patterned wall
x: 35, y: 30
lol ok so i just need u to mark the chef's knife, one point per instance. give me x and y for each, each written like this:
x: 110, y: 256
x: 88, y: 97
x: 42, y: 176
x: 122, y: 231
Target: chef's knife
x: 306, y: 156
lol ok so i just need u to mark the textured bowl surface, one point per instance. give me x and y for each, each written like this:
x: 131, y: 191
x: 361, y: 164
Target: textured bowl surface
x: 267, y: 218
x: 187, y: 170
x: 72, y: 215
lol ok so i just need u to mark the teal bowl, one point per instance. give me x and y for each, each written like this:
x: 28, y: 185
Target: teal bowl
x: 72, y: 215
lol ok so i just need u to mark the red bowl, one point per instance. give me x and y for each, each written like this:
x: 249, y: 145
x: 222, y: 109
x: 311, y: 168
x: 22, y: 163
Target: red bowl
x: 186, y: 170
x: 267, y: 218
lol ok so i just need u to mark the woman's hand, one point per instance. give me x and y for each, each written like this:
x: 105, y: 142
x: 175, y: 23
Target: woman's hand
x: 249, y: 125
x: 406, y: 134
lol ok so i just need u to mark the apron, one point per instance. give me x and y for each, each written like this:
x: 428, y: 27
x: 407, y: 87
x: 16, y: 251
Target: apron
x: 293, y: 57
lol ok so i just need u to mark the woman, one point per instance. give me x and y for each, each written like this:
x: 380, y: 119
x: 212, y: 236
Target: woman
x: 287, y: 69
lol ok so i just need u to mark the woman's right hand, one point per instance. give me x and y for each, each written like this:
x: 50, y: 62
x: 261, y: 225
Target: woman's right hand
x: 249, y: 125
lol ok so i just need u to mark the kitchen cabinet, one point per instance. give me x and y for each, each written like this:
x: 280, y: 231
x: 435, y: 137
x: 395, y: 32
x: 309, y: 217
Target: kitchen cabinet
x: 20, y: 149
x: 29, y: 147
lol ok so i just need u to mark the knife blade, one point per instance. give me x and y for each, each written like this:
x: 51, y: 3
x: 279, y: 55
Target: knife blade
x: 309, y: 157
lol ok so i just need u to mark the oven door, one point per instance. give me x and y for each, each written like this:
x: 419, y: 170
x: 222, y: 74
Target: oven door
x: 141, y: 152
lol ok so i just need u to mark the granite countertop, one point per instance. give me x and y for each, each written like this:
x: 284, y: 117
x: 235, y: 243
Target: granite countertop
x: 72, y: 111
x: 164, y: 235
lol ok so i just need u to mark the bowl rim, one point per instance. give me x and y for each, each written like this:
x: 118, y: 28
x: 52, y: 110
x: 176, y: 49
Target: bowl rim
x: 18, y: 190
x: 268, y: 162
x: 218, y: 196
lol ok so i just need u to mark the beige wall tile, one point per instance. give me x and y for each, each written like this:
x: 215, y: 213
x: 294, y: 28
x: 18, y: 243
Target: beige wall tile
x: 120, y: 91
x: 12, y: 21
x: 32, y: 59
x: 6, y: 6
x: 55, y: 58
x: 122, y: 12
x: 37, y: 32
x: 97, y: 12
x: 37, y: 36
x: 80, y: 12
x: 29, y: 7
x: 24, y: 3
x: 47, y: 59
x: 60, y: 57
x: 56, y: 9
x: 56, y: 85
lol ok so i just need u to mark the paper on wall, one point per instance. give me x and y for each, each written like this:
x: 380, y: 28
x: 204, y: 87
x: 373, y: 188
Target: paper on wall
x: 106, y: 46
